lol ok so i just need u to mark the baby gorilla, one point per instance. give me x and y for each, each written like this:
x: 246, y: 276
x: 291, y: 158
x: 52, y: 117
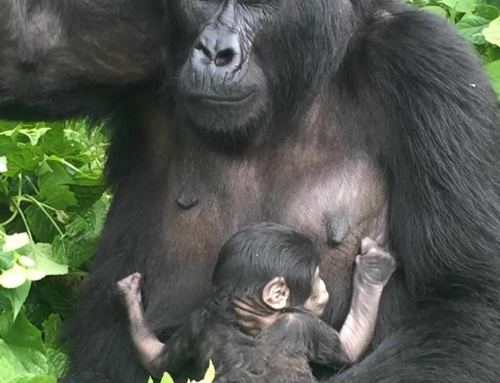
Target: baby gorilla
x: 262, y: 322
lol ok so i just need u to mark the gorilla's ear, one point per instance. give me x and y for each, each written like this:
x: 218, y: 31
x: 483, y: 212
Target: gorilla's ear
x: 276, y: 293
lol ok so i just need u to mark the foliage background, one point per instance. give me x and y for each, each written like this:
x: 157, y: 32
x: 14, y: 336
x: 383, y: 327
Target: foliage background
x: 53, y: 203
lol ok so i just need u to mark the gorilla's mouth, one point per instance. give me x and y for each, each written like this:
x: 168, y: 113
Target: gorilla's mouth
x: 214, y: 100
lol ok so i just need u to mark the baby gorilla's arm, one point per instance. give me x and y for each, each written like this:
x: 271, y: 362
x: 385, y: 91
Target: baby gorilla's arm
x: 326, y: 346
x: 374, y: 268
x: 154, y: 355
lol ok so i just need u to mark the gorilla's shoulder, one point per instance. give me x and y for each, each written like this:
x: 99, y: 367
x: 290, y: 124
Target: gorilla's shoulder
x: 402, y: 49
x: 401, y: 31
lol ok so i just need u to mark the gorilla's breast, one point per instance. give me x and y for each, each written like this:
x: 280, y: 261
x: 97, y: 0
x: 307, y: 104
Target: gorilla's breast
x: 210, y: 196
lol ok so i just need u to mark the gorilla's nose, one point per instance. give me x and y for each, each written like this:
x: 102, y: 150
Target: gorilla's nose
x: 218, y: 48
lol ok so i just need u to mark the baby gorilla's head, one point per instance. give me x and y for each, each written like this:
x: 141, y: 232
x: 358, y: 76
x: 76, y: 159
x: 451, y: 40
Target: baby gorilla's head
x: 267, y: 268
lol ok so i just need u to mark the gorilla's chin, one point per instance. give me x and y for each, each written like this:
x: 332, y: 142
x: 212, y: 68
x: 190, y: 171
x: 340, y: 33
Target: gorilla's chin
x: 230, y: 126
x: 224, y: 114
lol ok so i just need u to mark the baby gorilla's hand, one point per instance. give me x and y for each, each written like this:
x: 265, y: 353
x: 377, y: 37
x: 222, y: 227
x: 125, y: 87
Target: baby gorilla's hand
x: 374, y: 266
x: 129, y: 289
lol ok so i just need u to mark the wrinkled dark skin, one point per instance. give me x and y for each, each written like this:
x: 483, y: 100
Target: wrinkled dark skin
x: 343, y: 119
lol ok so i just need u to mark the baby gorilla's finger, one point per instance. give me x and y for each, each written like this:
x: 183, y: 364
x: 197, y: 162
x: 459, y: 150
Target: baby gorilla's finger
x: 135, y: 278
x: 367, y: 244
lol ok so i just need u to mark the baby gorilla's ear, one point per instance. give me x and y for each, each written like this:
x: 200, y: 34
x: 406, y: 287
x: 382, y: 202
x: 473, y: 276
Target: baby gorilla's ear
x: 276, y: 293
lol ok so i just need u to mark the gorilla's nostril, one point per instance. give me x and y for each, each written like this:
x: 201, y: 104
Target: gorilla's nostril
x: 204, y: 49
x: 224, y: 57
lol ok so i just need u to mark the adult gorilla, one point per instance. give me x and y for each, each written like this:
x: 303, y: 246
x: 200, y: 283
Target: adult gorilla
x: 343, y: 118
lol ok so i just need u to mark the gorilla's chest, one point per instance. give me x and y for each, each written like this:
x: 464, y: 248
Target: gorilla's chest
x: 336, y: 201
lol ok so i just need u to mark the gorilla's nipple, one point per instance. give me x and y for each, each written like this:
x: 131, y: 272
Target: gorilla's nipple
x: 188, y: 197
x: 337, y: 227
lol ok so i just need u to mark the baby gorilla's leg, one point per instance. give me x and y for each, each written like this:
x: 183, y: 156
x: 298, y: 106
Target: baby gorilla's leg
x: 374, y: 268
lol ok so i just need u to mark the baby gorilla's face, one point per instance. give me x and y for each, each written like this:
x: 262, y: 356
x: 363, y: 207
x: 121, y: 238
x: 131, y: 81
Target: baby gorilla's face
x: 316, y: 303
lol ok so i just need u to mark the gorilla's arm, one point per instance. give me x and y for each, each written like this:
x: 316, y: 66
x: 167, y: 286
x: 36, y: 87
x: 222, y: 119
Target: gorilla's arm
x: 439, y: 141
x: 68, y: 57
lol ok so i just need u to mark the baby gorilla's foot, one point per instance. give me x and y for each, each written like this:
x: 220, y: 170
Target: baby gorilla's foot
x: 129, y: 288
x: 374, y: 266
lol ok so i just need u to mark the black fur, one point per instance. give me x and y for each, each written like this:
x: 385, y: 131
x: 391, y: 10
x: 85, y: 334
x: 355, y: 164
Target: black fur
x: 392, y: 83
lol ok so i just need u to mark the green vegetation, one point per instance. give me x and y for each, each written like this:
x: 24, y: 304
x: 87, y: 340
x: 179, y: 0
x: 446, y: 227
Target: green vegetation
x: 53, y: 203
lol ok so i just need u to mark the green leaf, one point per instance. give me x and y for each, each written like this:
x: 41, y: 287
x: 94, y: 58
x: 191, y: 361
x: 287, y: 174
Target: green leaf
x: 210, y: 374
x: 20, y: 157
x: 54, y: 189
x: 42, y: 229
x: 487, y: 11
x: 451, y: 4
x: 42, y: 254
x: 492, y: 32
x: 13, y: 278
x: 7, y: 259
x: 51, y: 327
x: 15, y: 241
x: 3, y: 164
x: 16, y: 297
x: 22, y: 345
x: 58, y: 362
x: 436, y: 10
x: 493, y: 70
x: 471, y: 28
x: 34, y: 134
x: 31, y: 378
x: 166, y: 378
x: 466, y: 6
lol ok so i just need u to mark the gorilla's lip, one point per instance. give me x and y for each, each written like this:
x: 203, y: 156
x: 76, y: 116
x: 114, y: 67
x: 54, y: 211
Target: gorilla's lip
x: 221, y: 100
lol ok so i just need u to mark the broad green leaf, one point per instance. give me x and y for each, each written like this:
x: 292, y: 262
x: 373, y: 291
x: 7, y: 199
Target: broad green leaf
x: 54, y: 189
x: 466, y: 6
x: 7, y: 370
x: 487, y: 11
x: 26, y: 262
x: 471, y: 28
x: 58, y: 361
x: 7, y: 259
x: 451, y: 4
x: 16, y: 297
x: 15, y: 241
x: 492, y: 32
x: 493, y: 70
x: 23, y: 345
x: 166, y: 378
x: 32, y: 378
x: 3, y: 164
x: 42, y: 229
x: 34, y: 134
x: 51, y: 327
x: 210, y: 374
x: 13, y: 278
x: 42, y: 253
x: 20, y: 157
x: 436, y: 10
